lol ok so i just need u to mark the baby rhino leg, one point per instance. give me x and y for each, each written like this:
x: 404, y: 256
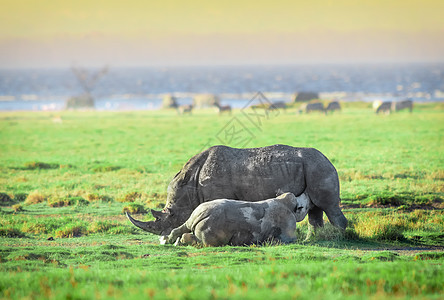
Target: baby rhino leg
x: 187, y: 239
x: 176, y: 233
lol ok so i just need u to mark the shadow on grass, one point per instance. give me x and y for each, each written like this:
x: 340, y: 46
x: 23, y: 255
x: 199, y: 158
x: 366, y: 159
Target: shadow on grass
x: 332, y: 237
x: 38, y: 165
x: 404, y: 201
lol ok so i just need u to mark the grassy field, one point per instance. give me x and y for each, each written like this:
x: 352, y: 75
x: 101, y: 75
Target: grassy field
x: 64, y: 187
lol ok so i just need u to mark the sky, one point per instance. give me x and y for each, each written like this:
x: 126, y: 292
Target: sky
x: 60, y: 33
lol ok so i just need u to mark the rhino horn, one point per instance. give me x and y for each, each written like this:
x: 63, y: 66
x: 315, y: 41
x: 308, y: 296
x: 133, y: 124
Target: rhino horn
x: 152, y: 226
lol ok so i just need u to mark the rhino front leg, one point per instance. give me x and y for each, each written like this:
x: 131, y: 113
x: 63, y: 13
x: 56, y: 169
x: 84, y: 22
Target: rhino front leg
x: 187, y: 239
x: 177, y: 233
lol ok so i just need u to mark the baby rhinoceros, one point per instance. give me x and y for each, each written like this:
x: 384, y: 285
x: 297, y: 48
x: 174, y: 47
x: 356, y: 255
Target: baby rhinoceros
x: 233, y: 222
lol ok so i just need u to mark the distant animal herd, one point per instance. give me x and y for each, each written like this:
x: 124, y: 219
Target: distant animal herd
x: 388, y: 106
x: 210, y: 100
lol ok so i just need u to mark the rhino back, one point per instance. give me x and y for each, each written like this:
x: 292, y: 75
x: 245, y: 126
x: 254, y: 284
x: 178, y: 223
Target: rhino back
x: 256, y: 173
x: 227, y: 217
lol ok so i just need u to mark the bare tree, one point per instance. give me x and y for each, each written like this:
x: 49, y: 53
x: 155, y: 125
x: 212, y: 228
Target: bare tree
x: 88, y: 81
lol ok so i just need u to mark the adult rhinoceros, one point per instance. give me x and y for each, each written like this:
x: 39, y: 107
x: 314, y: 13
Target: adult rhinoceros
x: 251, y: 175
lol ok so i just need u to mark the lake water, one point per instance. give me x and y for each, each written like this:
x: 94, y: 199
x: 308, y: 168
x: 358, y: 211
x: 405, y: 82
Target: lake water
x: 143, y: 88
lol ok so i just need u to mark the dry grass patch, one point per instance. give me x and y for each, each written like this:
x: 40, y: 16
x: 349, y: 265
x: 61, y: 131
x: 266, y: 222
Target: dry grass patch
x: 131, y: 197
x: 93, y: 197
x: 380, y: 231
x: 17, y: 208
x: 134, y: 208
x: 67, y: 201
x: 34, y: 228
x: 100, y: 226
x: 33, y: 165
x: 392, y: 225
x: 351, y: 175
x: 35, y: 198
x: 71, y: 230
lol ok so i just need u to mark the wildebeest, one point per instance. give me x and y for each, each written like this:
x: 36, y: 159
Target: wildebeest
x: 397, y: 106
x: 185, y: 109
x: 223, y: 108
x: 222, y: 172
x: 234, y: 222
x: 318, y: 106
x: 385, y: 107
x: 332, y: 106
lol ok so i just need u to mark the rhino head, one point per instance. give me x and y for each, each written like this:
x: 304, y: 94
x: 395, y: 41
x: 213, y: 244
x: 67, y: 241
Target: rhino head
x: 182, y: 199
x: 161, y: 226
x: 300, y: 205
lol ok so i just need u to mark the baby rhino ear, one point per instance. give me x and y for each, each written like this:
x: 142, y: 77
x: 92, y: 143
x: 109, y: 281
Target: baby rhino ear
x: 304, y: 200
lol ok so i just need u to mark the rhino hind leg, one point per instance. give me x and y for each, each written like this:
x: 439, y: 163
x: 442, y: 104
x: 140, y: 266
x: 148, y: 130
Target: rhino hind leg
x: 315, y: 220
x: 315, y: 217
x: 336, y: 217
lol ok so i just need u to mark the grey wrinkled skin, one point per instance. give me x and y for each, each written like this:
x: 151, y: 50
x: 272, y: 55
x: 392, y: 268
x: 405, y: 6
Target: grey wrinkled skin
x: 252, y: 174
x: 234, y: 222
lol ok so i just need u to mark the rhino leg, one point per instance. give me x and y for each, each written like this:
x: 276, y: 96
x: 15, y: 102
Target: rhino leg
x: 324, y: 194
x: 336, y: 217
x: 315, y: 217
x: 315, y: 220
x: 177, y: 233
x: 188, y: 239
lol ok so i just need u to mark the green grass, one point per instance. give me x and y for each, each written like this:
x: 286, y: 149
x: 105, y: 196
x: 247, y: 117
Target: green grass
x: 125, y: 266
x: 64, y: 187
x: 115, y: 154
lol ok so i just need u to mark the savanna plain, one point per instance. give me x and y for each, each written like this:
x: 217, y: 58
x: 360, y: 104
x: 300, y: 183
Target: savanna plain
x: 66, y: 182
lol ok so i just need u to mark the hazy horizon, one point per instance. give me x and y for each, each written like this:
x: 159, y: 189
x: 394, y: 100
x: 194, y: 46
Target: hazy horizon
x: 48, y: 34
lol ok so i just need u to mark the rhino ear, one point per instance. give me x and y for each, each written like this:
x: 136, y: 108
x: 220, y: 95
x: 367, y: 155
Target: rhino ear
x: 190, y: 175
